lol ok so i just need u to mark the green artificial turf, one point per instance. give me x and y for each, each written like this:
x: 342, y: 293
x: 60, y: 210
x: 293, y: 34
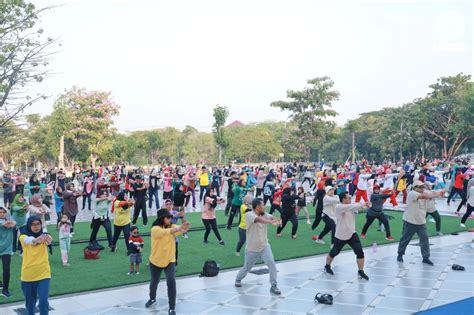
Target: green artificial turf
x: 111, y: 269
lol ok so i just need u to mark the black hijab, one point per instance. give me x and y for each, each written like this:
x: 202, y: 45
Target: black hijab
x: 27, y: 231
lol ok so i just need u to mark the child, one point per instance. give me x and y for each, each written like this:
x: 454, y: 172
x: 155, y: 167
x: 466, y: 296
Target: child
x: 65, y: 236
x: 301, y: 204
x: 135, y: 249
x: 58, y: 202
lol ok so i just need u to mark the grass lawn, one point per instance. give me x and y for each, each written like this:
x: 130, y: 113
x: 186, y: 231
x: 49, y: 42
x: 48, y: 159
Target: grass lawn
x: 110, y: 270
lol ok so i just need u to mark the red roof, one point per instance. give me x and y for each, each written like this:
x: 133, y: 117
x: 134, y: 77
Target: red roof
x: 235, y: 123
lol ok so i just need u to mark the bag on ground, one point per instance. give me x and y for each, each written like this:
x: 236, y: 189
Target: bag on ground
x: 210, y: 269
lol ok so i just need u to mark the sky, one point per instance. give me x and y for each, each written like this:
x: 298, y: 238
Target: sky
x: 168, y: 63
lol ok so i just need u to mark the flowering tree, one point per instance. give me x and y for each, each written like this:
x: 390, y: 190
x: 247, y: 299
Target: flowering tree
x: 84, y: 120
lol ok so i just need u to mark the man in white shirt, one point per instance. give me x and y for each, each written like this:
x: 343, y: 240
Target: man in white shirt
x: 346, y: 233
x: 414, y: 221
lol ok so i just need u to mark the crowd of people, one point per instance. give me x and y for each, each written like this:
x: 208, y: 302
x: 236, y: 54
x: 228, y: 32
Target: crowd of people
x: 118, y: 196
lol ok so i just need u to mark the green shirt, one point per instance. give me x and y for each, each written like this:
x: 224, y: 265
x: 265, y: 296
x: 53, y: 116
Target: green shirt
x: 6, y: 240
x: 102, y: 208
x: 238, y: 195
x: 19, y: 215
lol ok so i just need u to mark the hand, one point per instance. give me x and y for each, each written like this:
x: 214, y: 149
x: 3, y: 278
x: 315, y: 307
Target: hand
x: 276, y: 222
x: 366, y: 205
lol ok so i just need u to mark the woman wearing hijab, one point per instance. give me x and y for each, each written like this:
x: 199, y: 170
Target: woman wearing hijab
x: 70, y: 206
x: 35, y: 269
x: 19, y: 209
x: 6, y: 241
x: 34, y: 184
x: 38, y: 208
x: 121, y: 209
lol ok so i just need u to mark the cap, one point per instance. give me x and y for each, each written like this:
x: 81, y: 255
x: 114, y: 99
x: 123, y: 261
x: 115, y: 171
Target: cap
x: 328, y: 188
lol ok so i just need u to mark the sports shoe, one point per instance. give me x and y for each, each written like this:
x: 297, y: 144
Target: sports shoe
x: 320, y: 241
x: 185, y: 235
x: 400, y: 258
x: 150, y: 302
x: 238, y: 283
x: 221, y: 242
x: 137, y: 273
x: 274, y: 289
x: 462, y: 225
x: 308, y: 222
x: 171, y: 312
x: 427, y: 261
x: 328, y: 269
x: 362, y: 275
x: 293, y: 237
x: 390, y: 238
x: 205, y: 242
x: 130, y: 273
x: 439, y: 234
x: 362, y: 235
x: 6, y: 293
x: 432, y: 220
x: 1, y: 285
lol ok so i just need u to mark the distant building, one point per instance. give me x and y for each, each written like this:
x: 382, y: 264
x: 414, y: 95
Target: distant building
x: 235, y: 123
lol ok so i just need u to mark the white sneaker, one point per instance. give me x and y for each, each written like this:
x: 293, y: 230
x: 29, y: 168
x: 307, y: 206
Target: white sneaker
x: 308, y: 222
x: 432, y: 220
x: 320, y: 241
x: 462, y: 225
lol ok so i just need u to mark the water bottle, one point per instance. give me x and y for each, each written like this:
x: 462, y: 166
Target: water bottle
x: 374, y: 247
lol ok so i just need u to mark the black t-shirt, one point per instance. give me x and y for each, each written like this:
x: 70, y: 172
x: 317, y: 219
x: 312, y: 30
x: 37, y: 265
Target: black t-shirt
x: 139, y: 194
x: 178, y: 198
x: 230, y: 192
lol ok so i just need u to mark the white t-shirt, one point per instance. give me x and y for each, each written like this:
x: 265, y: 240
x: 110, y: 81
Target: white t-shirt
x: 470, y: 196
x: 345, y: 218
x: 363, y: 181
x: 415, y: 212
x: 257, y: 238
x: 388, y: 184
x: 329, y: 206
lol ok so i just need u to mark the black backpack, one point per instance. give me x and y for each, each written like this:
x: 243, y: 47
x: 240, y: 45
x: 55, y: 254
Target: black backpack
x: 210, y: 269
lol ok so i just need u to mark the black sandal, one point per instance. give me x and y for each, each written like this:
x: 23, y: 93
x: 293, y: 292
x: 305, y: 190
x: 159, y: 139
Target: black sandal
x: 458, y: 268
x: 324, y: 298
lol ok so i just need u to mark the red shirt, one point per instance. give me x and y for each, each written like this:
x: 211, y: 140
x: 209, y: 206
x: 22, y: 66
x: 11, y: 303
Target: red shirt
x: 322, y: 182
x: 459, y: 181
x: 277, y: 197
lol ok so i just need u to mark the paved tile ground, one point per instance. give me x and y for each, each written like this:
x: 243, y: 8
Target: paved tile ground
x: 393, y: 288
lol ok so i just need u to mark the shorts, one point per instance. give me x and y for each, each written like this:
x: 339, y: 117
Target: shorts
x: 136, y: 258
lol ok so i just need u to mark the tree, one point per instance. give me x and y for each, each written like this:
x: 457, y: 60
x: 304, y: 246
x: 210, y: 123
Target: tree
x: 24, y: 57
x: 220, y: 116
x: 310, y: 109
x: 89, y: 116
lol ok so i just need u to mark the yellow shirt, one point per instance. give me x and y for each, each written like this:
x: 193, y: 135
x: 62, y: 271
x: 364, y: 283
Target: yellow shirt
x: 121, y: 215
x: 243, y: 223
x: 204, y: 179
x: 402, y: 184
x: 163, y: 246
x: 35, y: 265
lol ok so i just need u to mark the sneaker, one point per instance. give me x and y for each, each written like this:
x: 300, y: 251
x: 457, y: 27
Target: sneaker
x: 400, y: 258
x: 363, y: 276
x: 432, y: 220
x: 113, y: 249
x: 238, y: 283
x: 1, y: 285
x: 274, y: 289
x: 130, y: 273
x: 362, y: 235
x: 237, y: 254
x: 150, y: 303
x: 328, y: 269
x: 390, y: 238
x: 221, y: 243
x: 294, y: 237
x: 278, y: 235
x: 66, y: 265
x: 439, y: 234
x: 308, y: 222
x: 145, y: 225
x: 462, y: 225
x: 171, y: 312
x: 205, y: 242
x: 185, y: 235
x: 427, y: 261
x: 319, y: 241
x: 6, y: 293
x: 229, y: 228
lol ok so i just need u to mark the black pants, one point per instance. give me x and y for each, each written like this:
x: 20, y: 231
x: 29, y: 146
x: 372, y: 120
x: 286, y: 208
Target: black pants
x: 155, y: 272
x: 202, y: 191
x: 437, y: 219
x: 275, y: 207
x: 88, y: 198
x: 168, y: 195
x: 266, y: 198
x: 233, y: 210
x: 6, y: 261
x: 353, y: 242
x: 16, y: 241
x: 228, y: 205
x: 284, y: 220
x: 259, y: 192
x: 95, y: 226
x: 117, y: 231
x: 461, y: 193
x: 382, y: 218
x: 467, y: 214
x: 140, y: 205
x: 72, y: 218
x: 7, y: 199
x: 217, y: 190
x: 242, y: 239
x: 310, y: 181
x: 211, y: 224
x: 330, y: 226
x: 317, y: 219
